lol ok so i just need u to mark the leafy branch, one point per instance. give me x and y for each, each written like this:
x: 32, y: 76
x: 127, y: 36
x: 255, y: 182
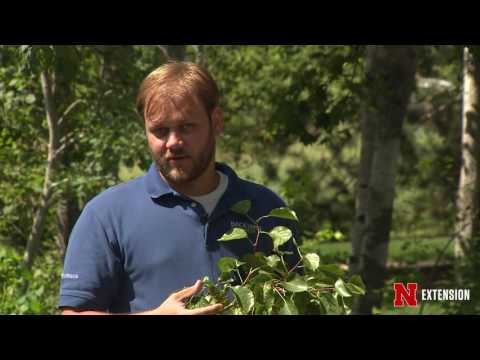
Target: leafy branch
x: 269, y: 286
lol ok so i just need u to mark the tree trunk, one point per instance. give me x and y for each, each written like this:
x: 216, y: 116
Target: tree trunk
x: 67, y: 214
x: 199, y: 58
x: 467, y: 195
x: 390, y: 81
x: 367, y: 128
x: 41, y: 213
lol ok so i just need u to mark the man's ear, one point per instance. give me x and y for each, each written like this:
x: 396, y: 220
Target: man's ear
x: 217, y: 121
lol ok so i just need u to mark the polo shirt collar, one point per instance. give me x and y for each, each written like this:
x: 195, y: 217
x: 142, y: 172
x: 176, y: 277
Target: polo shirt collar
x: 156, y: 186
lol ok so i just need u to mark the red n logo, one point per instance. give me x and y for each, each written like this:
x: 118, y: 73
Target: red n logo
x: 403, y: 295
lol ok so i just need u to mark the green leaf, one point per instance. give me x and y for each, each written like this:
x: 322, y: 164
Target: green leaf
x: 338, y: 235
x: 242, y: 207
x: 254, y: 260
x: 355, y: 289
x: 36, y: 307
x: 280, y: 235
x: 272, y: 261
x: 330, y: 303
x: 265, y: 274
x: 39, y: 292
x: 296, y: 285
x: 227, y: 264
x: 311, y: 261
x: 288, y: 308
x: 234, y: 311
x: 357, y: 280
x: 245, y: 298
x: 268, y: 298
x: 284, y: 213
x: 331, y: 269
x: 341, y: 289
x: 234, y: 234
x: 30, y: 99
x: 321, y: 285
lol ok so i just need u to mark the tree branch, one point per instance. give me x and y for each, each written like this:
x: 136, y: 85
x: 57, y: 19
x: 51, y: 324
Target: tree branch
x: 69, y: 109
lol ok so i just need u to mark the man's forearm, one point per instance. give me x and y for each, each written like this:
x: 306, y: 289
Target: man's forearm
x: 91, y: 312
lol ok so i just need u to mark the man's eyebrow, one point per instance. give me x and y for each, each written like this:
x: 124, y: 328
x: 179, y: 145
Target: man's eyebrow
x: 157, y: 122
x: 167, y: 122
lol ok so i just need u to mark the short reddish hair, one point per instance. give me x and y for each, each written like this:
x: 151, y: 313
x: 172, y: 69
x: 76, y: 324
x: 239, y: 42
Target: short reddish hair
x: 177, y: 80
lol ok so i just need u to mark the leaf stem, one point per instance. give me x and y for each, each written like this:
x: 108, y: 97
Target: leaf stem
x: 296, y: 266
x: 250, y: 272
x: 238, y: 273
x: 278, y: 292
x: 262, y: 217
x: 256, y: 240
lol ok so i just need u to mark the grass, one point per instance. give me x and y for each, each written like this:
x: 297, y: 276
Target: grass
x: 400, y: 250
x: 429, y: 309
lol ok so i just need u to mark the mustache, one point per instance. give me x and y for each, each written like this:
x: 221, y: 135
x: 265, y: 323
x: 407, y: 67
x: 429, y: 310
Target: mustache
x: 173, y: 154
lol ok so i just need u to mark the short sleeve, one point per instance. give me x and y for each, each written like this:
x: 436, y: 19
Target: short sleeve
x: 92, y: 267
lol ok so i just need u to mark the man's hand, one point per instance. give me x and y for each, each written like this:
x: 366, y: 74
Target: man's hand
x: 174, y: 305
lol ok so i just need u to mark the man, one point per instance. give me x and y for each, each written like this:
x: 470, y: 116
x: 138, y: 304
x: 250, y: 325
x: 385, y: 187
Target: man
x: 137, y: 244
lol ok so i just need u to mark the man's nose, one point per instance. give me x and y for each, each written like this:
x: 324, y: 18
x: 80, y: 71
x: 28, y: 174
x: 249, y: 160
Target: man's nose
x: 174, y: 140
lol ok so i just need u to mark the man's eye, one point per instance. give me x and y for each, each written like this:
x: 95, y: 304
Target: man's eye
x: 160, y: 132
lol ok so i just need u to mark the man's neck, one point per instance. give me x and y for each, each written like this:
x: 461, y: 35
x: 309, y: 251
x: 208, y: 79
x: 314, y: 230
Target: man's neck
x: 204, y: 184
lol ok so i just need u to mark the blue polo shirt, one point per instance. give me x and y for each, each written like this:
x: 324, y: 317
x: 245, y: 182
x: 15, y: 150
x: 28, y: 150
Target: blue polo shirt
x: 136, y: 243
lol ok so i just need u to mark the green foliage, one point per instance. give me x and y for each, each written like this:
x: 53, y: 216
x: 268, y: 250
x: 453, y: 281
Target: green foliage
x: 98, y: 134
x: 467, y: 273
x: 36, y: 58
x: 29, y: 291
x: 268, y: 286
x: 279, y: 94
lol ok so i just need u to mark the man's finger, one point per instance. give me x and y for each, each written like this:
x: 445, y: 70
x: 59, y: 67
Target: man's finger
x: 207, y: 310
x: 189, y: 291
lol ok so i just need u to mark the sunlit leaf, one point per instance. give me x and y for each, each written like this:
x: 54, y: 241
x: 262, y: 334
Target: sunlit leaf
x: 296, y: 285
x: 284, y: 213
x: 280, y: 235
x: 288, y: 308
x: 227, y: 264
x: 235, y: 234
x: 341, y: 289
x: 244, y: 297
x: 311, y: 261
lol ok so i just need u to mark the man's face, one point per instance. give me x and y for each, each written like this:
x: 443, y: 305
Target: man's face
x: 181, y: 138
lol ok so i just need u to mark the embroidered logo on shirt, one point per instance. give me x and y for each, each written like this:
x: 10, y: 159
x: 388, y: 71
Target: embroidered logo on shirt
x: 69, y: 276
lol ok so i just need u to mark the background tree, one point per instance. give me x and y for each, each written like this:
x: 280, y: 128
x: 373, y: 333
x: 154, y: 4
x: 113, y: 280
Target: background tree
x: 467, y: 198
x: 390, y: 81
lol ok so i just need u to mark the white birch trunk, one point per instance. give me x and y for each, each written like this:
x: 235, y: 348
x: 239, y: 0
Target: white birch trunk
x: 467, y: 207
